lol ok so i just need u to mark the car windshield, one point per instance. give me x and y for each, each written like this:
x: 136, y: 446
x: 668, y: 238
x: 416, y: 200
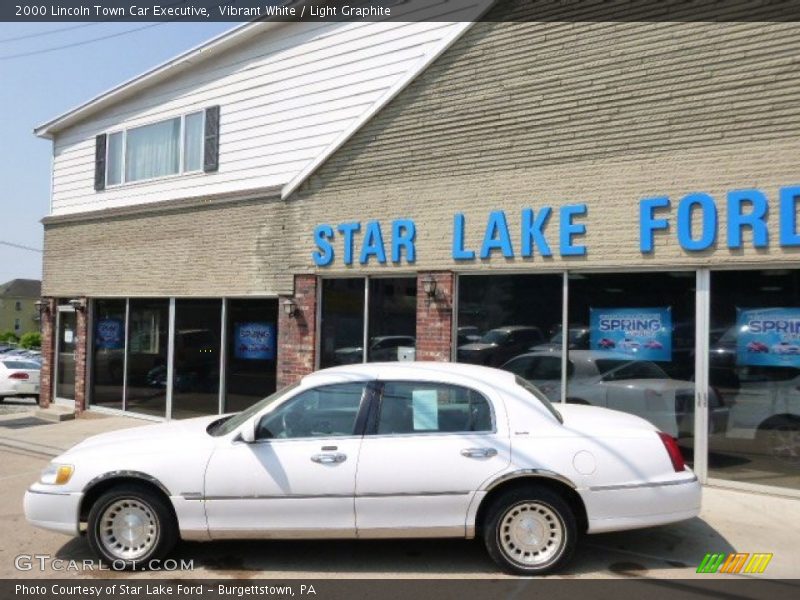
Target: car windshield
x: 229, y: 424
x: 534, y: 391
x: 22, y: 364
x: 495, y: 336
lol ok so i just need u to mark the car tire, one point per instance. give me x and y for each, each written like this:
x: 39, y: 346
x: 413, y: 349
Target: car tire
x: 155, y: 530
x: 530, y: 531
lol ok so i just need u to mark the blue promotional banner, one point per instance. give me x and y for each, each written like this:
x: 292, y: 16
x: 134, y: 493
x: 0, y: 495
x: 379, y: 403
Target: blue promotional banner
x: 109, y: 334
x: 254, y: 341
x: 768, y: 336
x: 641, y: 333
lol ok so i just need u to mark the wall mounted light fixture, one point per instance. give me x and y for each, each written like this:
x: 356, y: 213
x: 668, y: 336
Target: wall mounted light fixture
x: 78, y: 304
x: 429, y: 286
x: 290, y: 307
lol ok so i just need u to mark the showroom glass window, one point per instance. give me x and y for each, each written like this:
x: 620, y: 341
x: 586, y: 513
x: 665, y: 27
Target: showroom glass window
x: 251, y: 341
x: 754, y: 364
x: 506, y: 319
x: 195, y: 381
x: 391, y: 322
x: 392, y: 319
x: 148, y: 345
x: 108, y: 353
x: 341, y: 322
x: 155, y: 150
x: 639, y: 355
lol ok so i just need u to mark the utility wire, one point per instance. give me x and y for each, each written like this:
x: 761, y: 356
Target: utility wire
x: 82, y: 42
x: 28, y: 36
x: 20, y: 246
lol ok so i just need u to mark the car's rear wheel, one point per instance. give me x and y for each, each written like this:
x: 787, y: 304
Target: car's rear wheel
x: 129, y: 526
x: 530, y: 531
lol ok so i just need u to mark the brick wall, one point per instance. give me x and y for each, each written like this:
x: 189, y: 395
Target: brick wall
x: 81, y: 347
x: 48, y: 352
x: 435, y: 317
x: 297, y: 333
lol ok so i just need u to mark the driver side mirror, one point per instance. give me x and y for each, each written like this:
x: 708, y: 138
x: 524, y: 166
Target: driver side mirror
x: 249, y: 432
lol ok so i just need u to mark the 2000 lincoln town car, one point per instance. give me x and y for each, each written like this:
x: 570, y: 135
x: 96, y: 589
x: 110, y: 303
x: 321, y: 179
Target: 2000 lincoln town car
x: 368, y: 451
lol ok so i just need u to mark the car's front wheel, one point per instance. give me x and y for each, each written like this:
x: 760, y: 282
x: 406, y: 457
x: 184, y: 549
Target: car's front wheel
x: 530, y: 531
x: 129, y: 526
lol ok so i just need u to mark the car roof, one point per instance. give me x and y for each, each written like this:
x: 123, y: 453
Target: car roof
x: 420, y: 370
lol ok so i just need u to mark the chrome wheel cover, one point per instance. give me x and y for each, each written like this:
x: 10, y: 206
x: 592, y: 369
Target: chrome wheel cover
x: 531, y: 534
x: 128, y: 529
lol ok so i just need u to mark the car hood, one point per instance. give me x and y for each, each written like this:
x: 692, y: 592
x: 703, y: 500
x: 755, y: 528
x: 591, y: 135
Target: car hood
x: 174, y: 434
x: 476, y: 347
x: 593, y: 419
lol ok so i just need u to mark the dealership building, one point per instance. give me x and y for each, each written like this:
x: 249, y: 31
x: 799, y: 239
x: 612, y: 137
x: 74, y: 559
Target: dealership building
x: 607, y: 209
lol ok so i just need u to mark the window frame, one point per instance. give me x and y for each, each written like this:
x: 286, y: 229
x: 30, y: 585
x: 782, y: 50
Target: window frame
x: 373, y: 416
x: 181, y: 150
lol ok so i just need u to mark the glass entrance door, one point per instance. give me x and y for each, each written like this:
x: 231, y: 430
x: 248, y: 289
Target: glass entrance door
x: 65, y: 358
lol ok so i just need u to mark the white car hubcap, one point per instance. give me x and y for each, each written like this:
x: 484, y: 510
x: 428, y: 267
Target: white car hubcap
x: 531, y: 534
x: 128, y: 529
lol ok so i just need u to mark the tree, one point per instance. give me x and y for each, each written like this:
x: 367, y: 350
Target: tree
x: 32, y: 339
x: 9, y: 336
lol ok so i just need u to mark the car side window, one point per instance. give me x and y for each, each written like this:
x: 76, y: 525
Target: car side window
x: 425, y: 407
x: 325, y: 411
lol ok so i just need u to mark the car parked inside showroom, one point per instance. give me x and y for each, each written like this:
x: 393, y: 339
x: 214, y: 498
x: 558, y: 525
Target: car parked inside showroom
x: 376, y: 450
x: 614, y: 380
x: 499, y: 344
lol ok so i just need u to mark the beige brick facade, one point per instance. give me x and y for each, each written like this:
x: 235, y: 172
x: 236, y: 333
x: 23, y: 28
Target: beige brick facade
x: 513, y: 115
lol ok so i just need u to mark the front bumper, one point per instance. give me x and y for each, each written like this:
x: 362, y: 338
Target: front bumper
x: 53, y: 509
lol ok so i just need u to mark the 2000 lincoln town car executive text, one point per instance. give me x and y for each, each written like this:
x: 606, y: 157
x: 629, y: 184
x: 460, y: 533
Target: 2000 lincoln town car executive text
x: 374, y: 450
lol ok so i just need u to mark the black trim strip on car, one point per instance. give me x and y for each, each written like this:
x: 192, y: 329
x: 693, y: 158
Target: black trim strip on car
x: 195, y: 496
x: 126, y: 474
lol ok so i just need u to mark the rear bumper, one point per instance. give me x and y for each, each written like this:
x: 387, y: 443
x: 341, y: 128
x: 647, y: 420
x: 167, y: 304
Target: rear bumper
x: 632, y: 506
x: 53, y: 510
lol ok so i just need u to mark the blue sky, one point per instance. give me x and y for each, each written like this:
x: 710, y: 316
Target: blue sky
x: 34, y: 89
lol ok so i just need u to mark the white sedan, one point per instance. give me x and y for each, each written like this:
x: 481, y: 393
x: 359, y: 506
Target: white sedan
x: 18, y: 377
x: 374, y: 451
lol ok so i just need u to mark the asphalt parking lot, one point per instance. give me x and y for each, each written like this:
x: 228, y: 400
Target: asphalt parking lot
x: 731, y: 521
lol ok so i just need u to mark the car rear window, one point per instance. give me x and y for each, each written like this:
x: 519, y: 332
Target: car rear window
x: 21, y: 364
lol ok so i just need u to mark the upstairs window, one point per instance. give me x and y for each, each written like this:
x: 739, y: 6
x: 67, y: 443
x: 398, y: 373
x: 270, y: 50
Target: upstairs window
x: 156, y: 150
x: 185, y: 144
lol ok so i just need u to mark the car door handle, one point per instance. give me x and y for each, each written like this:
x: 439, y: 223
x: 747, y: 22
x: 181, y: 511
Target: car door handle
x: 478, y: 452
x: 329, y: 458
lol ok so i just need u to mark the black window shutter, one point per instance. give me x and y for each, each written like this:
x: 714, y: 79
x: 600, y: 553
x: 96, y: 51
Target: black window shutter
x: 211, y: 145
x: 100, y: 162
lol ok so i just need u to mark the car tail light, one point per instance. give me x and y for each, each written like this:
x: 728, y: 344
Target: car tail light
x: 19, y: 376
x: 674, y: 452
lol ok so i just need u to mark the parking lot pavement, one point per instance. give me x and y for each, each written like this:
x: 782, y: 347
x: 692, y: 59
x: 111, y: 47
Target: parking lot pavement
x: 730, y: 521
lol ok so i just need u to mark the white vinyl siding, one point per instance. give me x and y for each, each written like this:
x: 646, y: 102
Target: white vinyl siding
x: 285, y: 98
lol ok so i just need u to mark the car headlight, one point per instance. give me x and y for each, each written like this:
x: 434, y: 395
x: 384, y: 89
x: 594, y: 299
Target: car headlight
x: 55, y: 474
